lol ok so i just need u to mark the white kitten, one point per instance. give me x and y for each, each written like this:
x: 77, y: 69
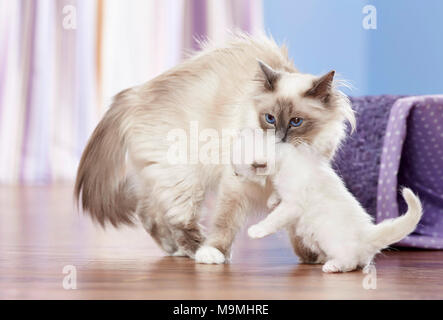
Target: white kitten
x: 327, y: 218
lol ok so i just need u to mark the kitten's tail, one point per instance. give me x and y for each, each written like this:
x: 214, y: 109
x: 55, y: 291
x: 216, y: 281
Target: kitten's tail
x: 103, y: 186
x: 393, y: 230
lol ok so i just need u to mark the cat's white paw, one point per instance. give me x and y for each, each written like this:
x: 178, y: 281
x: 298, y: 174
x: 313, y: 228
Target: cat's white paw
x: 257, y: 231
x: 332, y: 266
x: 209, y: 255
x: 179, y: 253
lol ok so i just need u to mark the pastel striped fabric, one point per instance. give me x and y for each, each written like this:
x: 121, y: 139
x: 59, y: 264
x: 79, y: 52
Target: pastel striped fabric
x: 61, y: 61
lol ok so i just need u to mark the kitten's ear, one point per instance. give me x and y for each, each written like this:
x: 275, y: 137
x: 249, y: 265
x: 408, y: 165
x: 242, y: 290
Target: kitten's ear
x: 271, y: 76
x: 321, y: 88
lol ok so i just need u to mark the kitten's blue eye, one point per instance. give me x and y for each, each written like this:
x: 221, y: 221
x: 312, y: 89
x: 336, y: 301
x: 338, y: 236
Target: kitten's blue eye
x: 296, y: 122
x: 270, y: 118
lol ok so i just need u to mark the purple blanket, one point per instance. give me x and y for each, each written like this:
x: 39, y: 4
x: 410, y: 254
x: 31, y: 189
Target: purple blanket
x: 398, y: 142
x: 358, y: 160
x: 413, y: 156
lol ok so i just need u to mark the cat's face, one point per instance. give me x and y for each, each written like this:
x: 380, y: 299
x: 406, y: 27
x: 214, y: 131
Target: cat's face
x: 302, y: 108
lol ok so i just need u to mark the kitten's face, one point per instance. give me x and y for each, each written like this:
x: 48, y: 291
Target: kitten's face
x: 302, y: 108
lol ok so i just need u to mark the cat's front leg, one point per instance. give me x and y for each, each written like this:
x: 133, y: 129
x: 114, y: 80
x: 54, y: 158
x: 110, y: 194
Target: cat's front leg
x: 279, y: 218
x: 259, y: 230
x: 231, y: 210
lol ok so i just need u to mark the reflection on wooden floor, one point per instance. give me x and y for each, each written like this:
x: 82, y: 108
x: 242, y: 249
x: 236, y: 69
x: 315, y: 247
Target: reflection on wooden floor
x: 41, y: 233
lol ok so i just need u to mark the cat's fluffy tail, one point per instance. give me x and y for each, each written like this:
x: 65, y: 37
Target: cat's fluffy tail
x: 393, y: 230
x: 103, y: 186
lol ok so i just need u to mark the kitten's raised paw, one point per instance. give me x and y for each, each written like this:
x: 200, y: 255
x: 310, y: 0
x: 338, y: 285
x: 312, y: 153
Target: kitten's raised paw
x: 333, y: 266
x: 256, y: 232
x: 209, y: 255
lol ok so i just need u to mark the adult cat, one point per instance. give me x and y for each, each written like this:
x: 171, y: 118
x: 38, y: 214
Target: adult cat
x: 125, y: 172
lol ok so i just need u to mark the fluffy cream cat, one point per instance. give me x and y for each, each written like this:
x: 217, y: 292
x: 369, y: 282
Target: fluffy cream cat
x: 313, y: 203
x: 125, y: 173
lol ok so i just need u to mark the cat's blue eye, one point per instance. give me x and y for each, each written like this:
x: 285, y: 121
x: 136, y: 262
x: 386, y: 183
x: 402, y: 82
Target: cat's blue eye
x: 296, y: 122
x: 270, y: 118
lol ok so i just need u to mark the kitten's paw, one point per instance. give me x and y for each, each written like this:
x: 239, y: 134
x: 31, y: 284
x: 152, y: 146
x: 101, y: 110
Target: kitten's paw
x: 332, y: 266
x: 209, y: 255
x: 256, y: 232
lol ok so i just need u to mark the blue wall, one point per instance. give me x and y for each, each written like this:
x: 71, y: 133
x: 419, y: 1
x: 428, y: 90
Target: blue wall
x: 404, y: 55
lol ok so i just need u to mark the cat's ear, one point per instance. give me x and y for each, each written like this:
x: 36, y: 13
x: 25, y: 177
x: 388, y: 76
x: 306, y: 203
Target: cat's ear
x: 321, y: 87
x: 271, y: 76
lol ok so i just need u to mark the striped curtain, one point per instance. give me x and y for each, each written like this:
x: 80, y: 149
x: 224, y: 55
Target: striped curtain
x: 61, y: 61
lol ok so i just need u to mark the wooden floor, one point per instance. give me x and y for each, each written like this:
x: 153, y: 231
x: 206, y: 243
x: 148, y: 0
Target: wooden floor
x: 40, y: 234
